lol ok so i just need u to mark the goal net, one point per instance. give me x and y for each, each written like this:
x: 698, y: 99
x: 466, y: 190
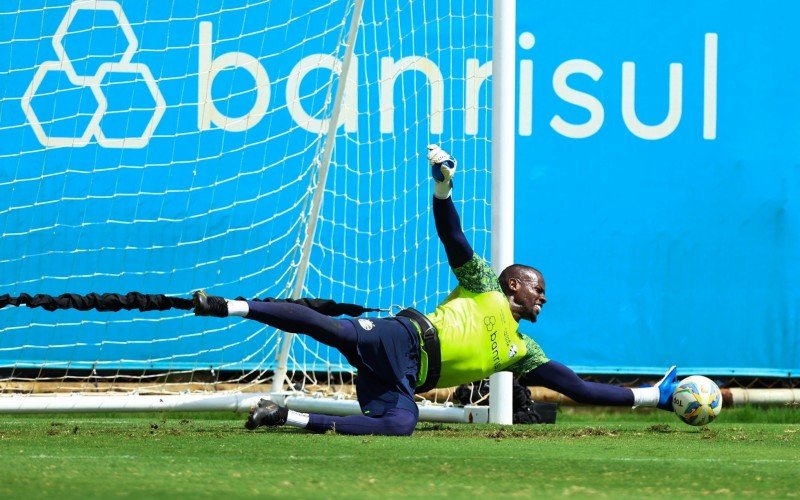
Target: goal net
x: 163, y: 148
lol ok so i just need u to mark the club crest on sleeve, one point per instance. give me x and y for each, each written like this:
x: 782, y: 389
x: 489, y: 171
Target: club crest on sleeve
x: 366, y: 324
x: 512, y: 351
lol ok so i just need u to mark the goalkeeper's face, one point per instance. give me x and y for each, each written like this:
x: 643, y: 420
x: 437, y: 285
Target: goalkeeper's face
x: 527, y: 295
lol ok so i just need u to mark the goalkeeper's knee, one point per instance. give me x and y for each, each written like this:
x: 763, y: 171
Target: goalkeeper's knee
x: 399, y: 422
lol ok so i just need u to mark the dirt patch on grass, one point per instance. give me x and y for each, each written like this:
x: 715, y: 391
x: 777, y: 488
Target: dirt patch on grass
x: 594, y: 431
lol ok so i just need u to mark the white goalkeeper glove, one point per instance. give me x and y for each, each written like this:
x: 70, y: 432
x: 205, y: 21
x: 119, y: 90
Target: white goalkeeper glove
x: 443, y: 168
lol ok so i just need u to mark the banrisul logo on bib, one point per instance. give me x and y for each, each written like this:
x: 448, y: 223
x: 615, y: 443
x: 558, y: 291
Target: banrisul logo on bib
x: 93, y: 90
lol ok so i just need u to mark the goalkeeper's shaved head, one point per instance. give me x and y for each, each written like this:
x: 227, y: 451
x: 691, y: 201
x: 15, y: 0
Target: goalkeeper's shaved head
x: 520, y: 272
x: 524, y: 287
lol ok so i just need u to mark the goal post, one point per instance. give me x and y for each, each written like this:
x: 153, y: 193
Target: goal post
x: 167, y: 149
x: 503, y: 163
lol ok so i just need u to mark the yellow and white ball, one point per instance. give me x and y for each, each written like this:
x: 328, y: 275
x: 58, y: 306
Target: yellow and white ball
x: 697, y: 400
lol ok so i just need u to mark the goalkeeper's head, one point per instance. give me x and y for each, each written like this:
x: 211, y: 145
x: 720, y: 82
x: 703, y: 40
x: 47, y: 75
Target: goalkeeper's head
x: 524, y: 288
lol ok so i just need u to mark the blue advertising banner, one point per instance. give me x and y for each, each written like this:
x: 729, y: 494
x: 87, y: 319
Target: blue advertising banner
x: 165, y: 147
x: 657, y: 183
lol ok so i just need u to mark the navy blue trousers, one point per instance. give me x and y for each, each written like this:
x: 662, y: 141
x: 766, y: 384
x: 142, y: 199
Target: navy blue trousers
x: 385, y: 351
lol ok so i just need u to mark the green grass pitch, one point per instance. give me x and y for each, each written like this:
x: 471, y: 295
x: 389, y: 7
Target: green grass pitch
x: 634, y: 454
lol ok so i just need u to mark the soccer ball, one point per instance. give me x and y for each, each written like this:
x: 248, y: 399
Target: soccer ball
x: 697, y: 400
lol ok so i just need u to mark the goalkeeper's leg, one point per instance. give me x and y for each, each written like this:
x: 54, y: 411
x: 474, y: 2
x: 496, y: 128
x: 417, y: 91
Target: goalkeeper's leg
x: 386, y: 395
x: 293, y: 318
x: 386, y: 401
x: 395, y: 422
x: 387, y: 375
x: 389, y: 410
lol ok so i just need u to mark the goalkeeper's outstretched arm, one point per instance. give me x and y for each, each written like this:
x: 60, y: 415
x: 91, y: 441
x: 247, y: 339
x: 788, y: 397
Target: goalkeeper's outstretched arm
x: 448, y: 225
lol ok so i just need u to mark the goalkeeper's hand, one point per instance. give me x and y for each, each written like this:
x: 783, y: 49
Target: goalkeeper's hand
x: 443, y: 168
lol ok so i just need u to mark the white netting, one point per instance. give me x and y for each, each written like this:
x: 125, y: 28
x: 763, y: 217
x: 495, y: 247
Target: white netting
x: 165, y: 148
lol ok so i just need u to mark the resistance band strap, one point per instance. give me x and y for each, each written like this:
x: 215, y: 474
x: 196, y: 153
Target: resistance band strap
x: 112, y: 302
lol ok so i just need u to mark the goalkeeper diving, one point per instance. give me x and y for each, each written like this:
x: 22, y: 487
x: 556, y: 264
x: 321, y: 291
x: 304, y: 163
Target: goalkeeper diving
x: 469, y: 336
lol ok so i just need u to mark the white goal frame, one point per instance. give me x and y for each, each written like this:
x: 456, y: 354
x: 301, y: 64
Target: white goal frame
x: 502, y: 242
